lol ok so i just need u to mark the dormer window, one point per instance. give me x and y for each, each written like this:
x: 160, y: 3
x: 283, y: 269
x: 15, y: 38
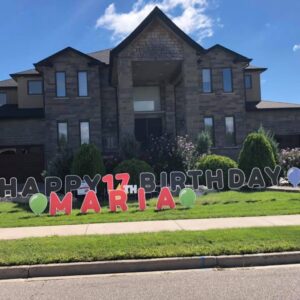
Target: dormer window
x: 35, y: 87
x: 248, y: 82
x: 3, y: 98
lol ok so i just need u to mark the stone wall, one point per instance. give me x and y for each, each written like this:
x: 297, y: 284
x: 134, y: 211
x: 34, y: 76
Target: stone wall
x: 279, y: 121
x: 21, y: 132
x: 71, y: 109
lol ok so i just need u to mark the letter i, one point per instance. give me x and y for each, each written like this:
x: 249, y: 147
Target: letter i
x: 142, y: 199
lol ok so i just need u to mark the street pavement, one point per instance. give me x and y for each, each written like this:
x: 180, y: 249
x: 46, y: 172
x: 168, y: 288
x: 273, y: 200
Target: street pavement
x: 279, y: 282
x: 148, y: 226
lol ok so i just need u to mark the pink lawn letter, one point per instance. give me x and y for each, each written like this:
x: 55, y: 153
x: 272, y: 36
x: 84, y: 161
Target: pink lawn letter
x: 117, y: 198
x: 142, y: 199
x: 90, y: 202
x: 64, y: 205
x: 165, y: 199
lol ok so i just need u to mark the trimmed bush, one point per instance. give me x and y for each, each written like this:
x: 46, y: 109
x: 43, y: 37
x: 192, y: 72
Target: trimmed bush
x: 60, y: 164
x: 88, y: 161
x: 214, y: 162
x: 204, y: 142
x: 269, y: 135
x: 256, y: 152
x: 134, y: 167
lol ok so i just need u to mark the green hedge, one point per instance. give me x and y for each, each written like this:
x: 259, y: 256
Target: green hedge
x: 214, y: 162
x: 88, y: 161
x: 134, y: 167
x: 256, y: 152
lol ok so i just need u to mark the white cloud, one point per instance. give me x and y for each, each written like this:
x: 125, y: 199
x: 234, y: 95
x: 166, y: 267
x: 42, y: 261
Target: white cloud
x: 296, y: 47
x: 189, y: 15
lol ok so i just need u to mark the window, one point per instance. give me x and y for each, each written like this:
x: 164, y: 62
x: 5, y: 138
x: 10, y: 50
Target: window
x: 227, y: 80
x: 230, y: 131
x: 60, y: 84
x: 206, y: 81
x: 35, y: 87
x: 82, y: 84
x: 248, y: 82
x: 84, y: 133
x: 146, y: 98
x: 209, y: 127
x: 62, y: 128
x: 3, y: 98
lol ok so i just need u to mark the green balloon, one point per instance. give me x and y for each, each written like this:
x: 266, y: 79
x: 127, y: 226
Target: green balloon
x: 38, y: 203
x: 187, y: 197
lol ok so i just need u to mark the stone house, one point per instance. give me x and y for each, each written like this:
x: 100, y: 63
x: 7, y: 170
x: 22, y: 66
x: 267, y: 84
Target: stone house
x: 157, y: 80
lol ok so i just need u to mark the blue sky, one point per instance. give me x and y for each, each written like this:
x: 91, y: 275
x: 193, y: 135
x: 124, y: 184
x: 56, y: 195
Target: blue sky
x: 266, y: 30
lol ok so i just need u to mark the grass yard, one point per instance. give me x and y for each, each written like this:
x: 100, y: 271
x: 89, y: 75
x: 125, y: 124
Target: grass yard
x: 149, y: 245
x: 223, y: 204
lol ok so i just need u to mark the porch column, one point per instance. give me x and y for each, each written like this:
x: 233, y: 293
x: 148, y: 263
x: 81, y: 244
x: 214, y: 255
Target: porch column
x: 125, y: 99
x: 191, y: 91
x: 170, y: 109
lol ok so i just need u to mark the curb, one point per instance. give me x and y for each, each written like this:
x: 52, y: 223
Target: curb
x: 144, y: 265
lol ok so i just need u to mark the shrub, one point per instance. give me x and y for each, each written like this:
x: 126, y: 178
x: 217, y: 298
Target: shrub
x: 186, y: 150
x: 256, y: 152
x: 270, y: 137
x: 204, y: 142
x: 134, y: 167
x: 162, y: 154
x: 88, y: 161
x: 111, y: 162
x: 130, y: 148
x: 214, y: 162
x: 60, y: 164
x: 289, y: 158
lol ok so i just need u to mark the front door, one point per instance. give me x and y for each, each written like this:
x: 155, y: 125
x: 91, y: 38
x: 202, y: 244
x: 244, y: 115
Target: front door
x: 145, y: 128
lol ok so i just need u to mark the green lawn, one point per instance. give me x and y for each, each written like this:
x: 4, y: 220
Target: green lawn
x: 149, y: 245
x: 224, y: 204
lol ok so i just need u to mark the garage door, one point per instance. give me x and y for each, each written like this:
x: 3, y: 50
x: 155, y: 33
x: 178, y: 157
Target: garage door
x: 22, y: 162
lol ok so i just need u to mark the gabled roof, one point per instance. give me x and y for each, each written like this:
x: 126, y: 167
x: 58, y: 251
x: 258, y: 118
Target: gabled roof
x: 102, y: 55
x: 47, y: 60
x: 156, y: 13
x: 8, y: 83
x: 255, y: 68
x: 30, y: 72
x: 238, y: 57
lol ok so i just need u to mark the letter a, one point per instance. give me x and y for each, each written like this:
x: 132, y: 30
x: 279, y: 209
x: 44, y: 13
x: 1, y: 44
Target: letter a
x: 165, y: 199
x: 90, y: 202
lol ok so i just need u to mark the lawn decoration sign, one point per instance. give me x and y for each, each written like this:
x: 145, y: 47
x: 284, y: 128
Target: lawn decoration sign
x: 175, y: 182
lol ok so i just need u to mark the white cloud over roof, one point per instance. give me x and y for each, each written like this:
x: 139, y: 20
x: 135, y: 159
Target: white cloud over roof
x: 190, y: 15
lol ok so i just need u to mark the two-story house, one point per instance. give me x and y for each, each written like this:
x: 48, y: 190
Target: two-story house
x: 157, y: 80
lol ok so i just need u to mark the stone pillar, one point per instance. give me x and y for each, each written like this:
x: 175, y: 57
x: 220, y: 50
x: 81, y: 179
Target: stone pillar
x: 191, y: 91
x: 170, y: 108
x: 125, y: 99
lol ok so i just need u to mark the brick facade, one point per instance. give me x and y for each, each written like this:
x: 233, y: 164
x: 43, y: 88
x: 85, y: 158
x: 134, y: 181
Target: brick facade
x: 158, y: 55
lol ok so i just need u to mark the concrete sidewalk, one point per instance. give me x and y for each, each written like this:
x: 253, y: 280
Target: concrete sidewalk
x: 148, y: 226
